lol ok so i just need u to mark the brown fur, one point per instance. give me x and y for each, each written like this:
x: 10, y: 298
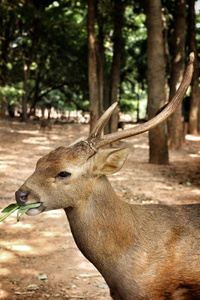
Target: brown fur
x: 148, y: 252
x: 45, y: 124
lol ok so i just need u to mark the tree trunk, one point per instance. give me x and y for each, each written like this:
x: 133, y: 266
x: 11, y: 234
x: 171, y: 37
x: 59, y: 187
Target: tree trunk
x: 28, y: 57
x: 7, y: 29
x: 36, y: 94
x: 25, y: 95
x: 175, y: 123
x: 115, y: 71
x: 101, y: 66
x: 92, y: 66
x: 195, y: 92
x: 156, y: 81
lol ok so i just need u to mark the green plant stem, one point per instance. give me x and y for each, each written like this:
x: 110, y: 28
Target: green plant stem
x: 9, y: 213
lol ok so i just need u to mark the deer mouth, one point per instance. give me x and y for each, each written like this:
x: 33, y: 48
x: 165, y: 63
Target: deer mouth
x: 36, y: 210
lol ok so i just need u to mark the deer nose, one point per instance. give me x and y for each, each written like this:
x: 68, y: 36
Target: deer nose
x: 21, y: 197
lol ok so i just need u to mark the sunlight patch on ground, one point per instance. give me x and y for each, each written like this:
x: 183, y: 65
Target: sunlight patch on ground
x: 35, y: 132
x: 118, y: 177
x: 6, y: 256
x: 47, y: 234
x: 195, y: 155
x: 7, y: 160
x: 4, y: 272
x: 35, y: 140
x: 53, y: 213
x: 44, y: 148
x: 141, y: 146
x: 16, y: 246
x: 11, y: 220
x: 3, y: 294
x: 55, y: 137
x: 3, y: 166
x: 35, y: 247
x: 196, y: 191
x: 21, y: 225
x: 7, y: 163
x: 192, y: 137
x: 21, y: 248
x: 68, y: 234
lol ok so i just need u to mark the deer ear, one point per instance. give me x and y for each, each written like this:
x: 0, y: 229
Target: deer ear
x: 111, y: 161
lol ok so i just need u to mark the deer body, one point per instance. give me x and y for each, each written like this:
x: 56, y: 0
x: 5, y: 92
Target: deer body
x: 45, y: 124
x: 138, y: 258
x: 148, y: 252
x: 142, y: 251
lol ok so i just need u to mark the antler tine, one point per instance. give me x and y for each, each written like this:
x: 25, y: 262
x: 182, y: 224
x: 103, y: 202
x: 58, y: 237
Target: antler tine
x: 163, y: 115
x: 97, y: 130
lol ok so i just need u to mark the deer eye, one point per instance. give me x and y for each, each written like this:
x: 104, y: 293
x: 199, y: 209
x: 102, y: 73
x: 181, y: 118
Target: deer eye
x: 63, y: 174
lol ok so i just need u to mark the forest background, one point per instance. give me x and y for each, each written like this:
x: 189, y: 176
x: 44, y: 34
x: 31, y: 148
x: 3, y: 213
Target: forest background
x: 85, y: 55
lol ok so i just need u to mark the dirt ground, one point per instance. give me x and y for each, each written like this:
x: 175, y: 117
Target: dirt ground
x: 38, y: 256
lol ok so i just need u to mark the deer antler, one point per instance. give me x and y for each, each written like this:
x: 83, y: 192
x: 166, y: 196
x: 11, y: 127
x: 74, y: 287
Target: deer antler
x: 97, y: 141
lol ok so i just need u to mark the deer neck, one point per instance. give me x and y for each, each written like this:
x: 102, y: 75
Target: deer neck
x: 102, y: 227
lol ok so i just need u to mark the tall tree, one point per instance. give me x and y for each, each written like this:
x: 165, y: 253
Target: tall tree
x: 118, y: 14
x: 156, y: 81
x: 92, y: 65
x: 8, y: 21
x: 175, y: 126
x: 195, y: 92
x: 101, y: 67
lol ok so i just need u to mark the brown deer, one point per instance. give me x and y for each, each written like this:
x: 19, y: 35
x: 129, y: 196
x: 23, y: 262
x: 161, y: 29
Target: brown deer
x: 45, y: 124
x: 142, y: 251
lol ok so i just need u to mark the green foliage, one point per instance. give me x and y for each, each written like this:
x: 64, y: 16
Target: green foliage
x: 11, y: 94
x: 10, y: 209
x: 51, y: 38
x: 134, y: 60
x: 127, y: 106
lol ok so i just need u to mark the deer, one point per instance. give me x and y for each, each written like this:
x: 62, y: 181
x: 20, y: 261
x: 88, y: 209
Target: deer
x: 45, y: 124
x: 144, y: 252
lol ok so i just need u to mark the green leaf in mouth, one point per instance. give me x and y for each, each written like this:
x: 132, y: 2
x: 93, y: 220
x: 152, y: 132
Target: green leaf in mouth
x: 10, y: 207
x: 21, y: 210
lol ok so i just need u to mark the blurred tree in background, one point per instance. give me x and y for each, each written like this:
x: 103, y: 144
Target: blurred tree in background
x: 175, y: 137
x: 46, y: 60
x: 156, y: 80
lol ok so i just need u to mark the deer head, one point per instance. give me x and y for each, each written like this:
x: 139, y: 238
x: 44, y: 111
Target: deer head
x: 66, y: 176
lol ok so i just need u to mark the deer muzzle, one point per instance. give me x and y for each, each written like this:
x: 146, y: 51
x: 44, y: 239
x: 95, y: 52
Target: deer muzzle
x: 22, y: 199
